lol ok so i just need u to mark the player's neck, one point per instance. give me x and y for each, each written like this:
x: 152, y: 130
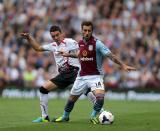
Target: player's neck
x: 60, y: 41
x: 87, y: 40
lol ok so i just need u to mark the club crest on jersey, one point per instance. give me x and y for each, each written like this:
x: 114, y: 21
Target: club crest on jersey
x: 84, y: 53
x: 90, y: 48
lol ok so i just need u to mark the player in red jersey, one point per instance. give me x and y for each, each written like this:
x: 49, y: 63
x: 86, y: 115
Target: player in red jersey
x: 91, y: 54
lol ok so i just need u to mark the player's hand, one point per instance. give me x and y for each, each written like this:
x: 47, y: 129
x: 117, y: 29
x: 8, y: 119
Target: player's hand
x: 128, y: 68
x: 25, y: 35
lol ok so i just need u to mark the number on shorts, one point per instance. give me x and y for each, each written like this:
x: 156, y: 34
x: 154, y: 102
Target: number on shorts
x: 98, y: 84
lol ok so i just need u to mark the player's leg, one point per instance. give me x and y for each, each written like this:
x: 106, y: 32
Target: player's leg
x: 90, y: 95
x: 97, y: 87
x: 44, y: 90
x: 67, y: 110
x: 99, y: 94
x: 77, y: 89
x: 70, y: 104
x: 60, y: 81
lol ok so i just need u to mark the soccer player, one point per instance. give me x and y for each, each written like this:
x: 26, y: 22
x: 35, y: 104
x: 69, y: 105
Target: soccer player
x: 91, y: 54
x: 68, y: 67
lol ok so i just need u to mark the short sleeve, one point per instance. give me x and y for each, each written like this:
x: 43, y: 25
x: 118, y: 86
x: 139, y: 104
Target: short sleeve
x: 104, y: 50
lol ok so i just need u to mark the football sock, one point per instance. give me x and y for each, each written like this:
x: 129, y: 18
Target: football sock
x: 98, y: 104
x: 92, y: 98
x: 68, y: 108
x: 66, y: 114
x: 94, y: 113
x: 44, y: 102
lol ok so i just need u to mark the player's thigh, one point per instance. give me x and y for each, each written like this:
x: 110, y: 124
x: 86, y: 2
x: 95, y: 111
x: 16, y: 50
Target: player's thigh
x: 79, y: 87
x: 64, y: 79
x: 96, y: 84
x: 49, y: 85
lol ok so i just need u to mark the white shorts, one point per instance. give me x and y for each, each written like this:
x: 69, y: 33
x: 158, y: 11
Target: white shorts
x: 82, y: 83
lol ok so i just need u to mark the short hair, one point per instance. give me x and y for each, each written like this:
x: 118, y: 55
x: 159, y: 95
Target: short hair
x: 55, y: 28
x: 87, y: 23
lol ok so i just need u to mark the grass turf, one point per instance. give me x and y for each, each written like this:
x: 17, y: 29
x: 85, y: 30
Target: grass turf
x: 17, y: 114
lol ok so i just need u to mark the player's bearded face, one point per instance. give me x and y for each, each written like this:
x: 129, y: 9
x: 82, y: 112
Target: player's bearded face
x: 87, y: 32
x: 56, y: 36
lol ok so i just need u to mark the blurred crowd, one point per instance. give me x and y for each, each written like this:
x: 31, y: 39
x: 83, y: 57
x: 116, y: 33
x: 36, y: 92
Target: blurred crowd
x: 130, y: 28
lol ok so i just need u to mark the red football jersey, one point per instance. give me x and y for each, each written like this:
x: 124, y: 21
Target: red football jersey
x: 87, y: 57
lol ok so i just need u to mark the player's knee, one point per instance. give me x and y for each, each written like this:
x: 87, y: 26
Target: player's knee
x: 43, y: 90
x: 73, y: 98
x: 99, y: 96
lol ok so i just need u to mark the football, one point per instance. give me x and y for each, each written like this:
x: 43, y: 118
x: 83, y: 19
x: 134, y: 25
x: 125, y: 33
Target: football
x: 106, y: 118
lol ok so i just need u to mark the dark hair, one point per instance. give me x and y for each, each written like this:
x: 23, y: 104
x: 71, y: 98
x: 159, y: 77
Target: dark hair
x: 55, y: 28
x: 87, y: 23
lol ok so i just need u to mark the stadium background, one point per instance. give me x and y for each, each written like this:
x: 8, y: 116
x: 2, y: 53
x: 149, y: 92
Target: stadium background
x: 130, y: 28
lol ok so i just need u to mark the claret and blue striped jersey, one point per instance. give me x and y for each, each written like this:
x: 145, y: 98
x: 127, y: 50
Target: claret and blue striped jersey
x: 91, y: 56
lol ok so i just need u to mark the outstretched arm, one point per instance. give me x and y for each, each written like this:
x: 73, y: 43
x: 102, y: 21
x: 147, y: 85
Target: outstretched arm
x: 115, y: 59
x: 35, y: 45
x: 108, y: 54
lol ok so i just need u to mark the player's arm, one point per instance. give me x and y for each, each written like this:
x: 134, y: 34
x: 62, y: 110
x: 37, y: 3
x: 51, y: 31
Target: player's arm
x: 108, y: 54
x: 73, y: 53
x: 73, y: 49
x: 115, y: 59
x: 35, y: 45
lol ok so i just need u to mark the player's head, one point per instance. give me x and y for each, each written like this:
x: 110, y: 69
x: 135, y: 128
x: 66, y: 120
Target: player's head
x: 87, y: 29
x: 56, y: 33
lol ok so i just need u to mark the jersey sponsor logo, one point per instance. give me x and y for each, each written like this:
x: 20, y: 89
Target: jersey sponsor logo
x: 90, y: 47
x: 84, y: 53
x: 87, y: 59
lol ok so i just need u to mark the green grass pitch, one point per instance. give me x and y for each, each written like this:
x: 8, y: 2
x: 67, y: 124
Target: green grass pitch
x: 17, y: 114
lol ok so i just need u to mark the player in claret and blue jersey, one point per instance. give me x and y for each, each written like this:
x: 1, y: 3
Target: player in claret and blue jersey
x: 91, y: 54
